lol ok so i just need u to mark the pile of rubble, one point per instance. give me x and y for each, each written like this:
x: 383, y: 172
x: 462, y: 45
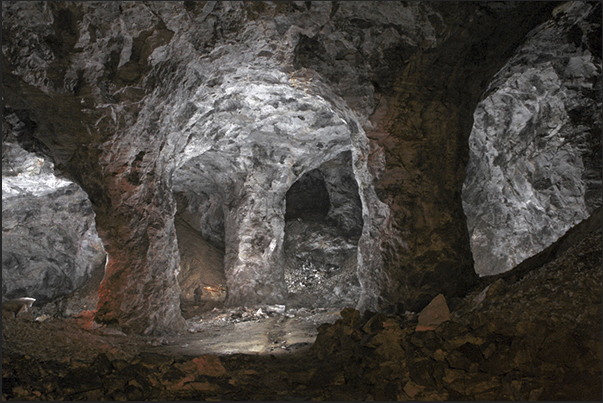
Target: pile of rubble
x: 246, y: 314
x: 320, y: 265
x: 535, y: 338
x: 387, y: 359
x: 146, y: 377
x: 375, y: 356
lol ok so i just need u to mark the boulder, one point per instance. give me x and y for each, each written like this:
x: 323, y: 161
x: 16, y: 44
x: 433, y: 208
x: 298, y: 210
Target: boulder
x: 50, y: 245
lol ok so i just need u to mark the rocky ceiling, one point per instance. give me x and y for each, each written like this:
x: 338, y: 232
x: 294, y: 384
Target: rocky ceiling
x: 351, y: 153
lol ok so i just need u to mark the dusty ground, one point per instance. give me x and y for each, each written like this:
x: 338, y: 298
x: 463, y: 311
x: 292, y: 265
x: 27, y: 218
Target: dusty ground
x: 251, y: 345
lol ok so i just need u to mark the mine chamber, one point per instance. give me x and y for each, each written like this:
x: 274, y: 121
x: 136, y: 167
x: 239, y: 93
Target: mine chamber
x: 323, y: 223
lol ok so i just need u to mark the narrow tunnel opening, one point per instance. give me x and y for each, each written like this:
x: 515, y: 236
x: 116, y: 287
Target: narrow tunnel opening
x: 323, y: 223
x: 199, y: 227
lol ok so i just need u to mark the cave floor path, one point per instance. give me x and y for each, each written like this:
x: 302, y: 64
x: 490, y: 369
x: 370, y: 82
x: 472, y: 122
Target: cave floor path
x: 219, y: 333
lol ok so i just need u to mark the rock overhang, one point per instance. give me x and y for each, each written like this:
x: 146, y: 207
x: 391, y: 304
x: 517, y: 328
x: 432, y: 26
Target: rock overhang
x: 252, y: 123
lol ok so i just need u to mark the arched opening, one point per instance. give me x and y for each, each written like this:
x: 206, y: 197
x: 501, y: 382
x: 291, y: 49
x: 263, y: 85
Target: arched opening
x: 199, y: 223
x: 308, y: 198
x: 323, y: 222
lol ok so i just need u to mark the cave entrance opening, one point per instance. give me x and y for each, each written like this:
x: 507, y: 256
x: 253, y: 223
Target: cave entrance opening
x: 323, y: 223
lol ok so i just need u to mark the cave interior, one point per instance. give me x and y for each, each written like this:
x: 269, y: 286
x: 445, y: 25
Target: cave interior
x: 321, y: 200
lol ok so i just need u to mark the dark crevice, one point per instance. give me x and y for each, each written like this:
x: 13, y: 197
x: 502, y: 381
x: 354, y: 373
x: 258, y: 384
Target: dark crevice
x: 308, y: 198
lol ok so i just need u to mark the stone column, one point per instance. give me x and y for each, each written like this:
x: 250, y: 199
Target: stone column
x: 254, y: 233
x: 140, y: 291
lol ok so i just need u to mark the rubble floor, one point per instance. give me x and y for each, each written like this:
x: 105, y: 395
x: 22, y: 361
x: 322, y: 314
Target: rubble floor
x: 238, y: 336
x: 534, y: 337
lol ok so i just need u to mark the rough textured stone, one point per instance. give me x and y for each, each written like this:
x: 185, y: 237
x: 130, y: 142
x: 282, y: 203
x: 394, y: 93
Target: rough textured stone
x: 50, y: 246
x: 250, y: 127
x: 519, y: 344
x: 253, y: 185
x: 575, y: 235
x: 216, y: 110
x: 536, y: 172
x: 418, y: 130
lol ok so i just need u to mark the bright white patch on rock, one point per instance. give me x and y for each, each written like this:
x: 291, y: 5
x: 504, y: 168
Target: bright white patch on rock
x: 49, y: 241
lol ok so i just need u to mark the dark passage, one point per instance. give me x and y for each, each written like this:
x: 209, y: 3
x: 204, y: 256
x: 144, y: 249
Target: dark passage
x: 308, y: 198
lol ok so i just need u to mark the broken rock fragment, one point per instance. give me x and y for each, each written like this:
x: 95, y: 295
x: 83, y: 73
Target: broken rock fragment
x: 433, y: 314
x: 14, y: 307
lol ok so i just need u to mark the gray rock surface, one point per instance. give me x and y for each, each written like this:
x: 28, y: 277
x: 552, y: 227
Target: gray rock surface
x: 215, y: 110
x: 221, y: 114
x: 535, y: 161
x: 50, y: 246
x: 258, y: 135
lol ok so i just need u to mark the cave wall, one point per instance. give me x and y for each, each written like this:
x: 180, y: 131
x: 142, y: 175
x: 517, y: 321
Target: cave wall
x: 535, y: 146
x: 413, y: 74
x: 119, y: 92
x: 50, y: 246
x: 136, y: 101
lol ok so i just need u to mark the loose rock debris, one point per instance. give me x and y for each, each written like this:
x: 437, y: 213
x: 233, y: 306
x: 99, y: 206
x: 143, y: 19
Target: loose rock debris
x: 537, y: 338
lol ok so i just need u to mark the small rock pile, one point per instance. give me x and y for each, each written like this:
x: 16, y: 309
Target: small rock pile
x: 321, y: 264
x: 247, y: 314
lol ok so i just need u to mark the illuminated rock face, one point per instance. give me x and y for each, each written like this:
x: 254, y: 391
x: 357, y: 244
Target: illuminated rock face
x: 249, y: 140
x: 226, y: 105
x: 130, y: 105
x: 50, y: 246
x: 535, y: 165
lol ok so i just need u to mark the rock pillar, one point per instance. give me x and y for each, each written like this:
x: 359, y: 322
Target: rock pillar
x: 254, y: 235
x: 140, y: 291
